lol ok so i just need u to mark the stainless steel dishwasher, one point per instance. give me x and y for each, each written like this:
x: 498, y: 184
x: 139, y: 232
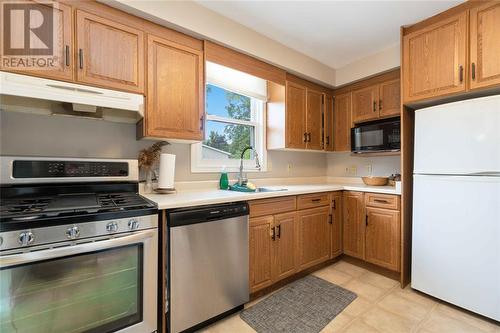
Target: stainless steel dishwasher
x: 208, y: 266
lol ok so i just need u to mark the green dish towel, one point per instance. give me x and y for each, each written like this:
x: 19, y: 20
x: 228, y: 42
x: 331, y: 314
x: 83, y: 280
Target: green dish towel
x: 239, y: 188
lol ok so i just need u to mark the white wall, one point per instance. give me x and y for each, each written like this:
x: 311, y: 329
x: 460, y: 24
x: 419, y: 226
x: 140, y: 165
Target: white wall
x: 192, y: 18
x: 35, y: 135
x: 382, y: 61
x: 337, y: 163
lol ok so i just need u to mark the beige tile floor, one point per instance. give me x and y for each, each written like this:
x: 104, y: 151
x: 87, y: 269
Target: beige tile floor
x: 381, y: 306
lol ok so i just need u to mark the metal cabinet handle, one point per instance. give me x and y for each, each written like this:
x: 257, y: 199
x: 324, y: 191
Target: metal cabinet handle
x: 381, y: 200
x: 273, y: 233
x: 380, y: 104
x: 473, y: 71
x: 80, y: 58
x: 279, y: 231
x: 366, y: 220
x: 305, y: 137
x: 461, y: 73
x: 202, y: 122
x: 331, y: 219
x: 309, y: 137
x: 66, y: 54
x: 374, y: 106
x: 334, y: 204
x: 327, y: 140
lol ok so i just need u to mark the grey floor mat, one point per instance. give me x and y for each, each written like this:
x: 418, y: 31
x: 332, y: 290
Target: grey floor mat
x: 304, y: 306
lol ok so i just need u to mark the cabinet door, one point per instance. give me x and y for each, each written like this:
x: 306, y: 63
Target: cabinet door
x: 389, y: 103
x: 314, y: 236
x: 354, y: 224
x: 485, y: 45
x: 261, y: 252
x: 434, y: 59
x: 328, y: 121
x: 314, y: 128
x: 382, y: 237
x: 336, y: 224
x: 109, y: 54
x: 365, y: 104
x: 296, y: 97
x: 342, y: 123
x: 285, y: 249
x: 62, y: 65
x: 174, y: 107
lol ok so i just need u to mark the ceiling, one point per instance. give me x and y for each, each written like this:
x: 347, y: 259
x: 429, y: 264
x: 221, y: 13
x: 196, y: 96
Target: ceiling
x: 335, y: 33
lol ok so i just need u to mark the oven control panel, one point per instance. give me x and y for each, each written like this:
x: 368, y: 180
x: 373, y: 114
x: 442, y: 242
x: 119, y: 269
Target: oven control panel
x: 55, y: 169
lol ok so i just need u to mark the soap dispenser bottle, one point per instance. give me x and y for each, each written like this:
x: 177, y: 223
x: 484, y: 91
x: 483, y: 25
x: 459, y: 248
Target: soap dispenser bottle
x: 223, y: 181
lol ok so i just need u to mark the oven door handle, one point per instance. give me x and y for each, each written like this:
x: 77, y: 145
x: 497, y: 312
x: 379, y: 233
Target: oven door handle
x: 28, y: 257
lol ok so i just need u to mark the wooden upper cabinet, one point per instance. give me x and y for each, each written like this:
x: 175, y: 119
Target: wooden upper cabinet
x: 314, y: 119
x: 434, y: 59
x: 354, y: 224
x: 336, y: 224
x: 328, y: 122
x: 485, y: 45
x: 296, y: 106
x: 382, y: 237
x: 109, y: 54
x: 261, y: 252
x: 175, y: 91
x: 342, y: 122
x: 314, y: 236
x: 62, y: 68
x: 389, y: 103
x: 365, y: 104
x: 285, y: 251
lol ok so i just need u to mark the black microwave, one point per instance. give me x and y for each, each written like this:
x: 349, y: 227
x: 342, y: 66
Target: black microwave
x: 377, y: 136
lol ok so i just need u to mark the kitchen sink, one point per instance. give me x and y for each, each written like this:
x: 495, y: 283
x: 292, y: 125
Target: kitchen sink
x: 270, y: 189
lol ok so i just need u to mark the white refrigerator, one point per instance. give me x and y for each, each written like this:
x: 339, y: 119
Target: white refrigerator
x: 456, y: 204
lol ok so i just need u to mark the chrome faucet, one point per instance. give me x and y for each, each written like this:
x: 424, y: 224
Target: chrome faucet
x: 241, y: 179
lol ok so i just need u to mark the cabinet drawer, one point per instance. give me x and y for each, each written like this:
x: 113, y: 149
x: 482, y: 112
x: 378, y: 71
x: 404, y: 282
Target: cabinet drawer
x: 272, y: 206
x: 312, y: 200
x: 382, y: 201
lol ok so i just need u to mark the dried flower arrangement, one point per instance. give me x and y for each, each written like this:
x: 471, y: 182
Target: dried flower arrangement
x: 149, y: 157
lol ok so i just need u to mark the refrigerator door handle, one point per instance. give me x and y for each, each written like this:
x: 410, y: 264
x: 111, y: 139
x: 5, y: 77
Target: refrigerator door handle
x: 485, y: 173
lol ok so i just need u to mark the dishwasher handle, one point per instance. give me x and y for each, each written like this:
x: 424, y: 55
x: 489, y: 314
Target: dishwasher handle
x: 202, y: 214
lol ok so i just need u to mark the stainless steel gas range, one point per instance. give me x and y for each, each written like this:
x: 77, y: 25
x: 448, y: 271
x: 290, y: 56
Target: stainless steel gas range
x: 78, y: 247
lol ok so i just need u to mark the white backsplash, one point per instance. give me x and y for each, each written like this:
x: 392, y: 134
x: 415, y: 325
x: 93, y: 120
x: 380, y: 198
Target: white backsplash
x: 346, y: 165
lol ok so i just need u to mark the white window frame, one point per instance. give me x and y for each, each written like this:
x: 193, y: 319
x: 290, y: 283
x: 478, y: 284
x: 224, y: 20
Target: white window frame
x: 258, y: 116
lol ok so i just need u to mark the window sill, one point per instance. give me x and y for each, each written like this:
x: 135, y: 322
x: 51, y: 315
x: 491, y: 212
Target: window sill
x: 228, y: 169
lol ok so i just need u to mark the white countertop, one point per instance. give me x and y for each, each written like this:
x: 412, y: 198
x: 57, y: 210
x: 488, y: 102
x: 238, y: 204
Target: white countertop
x: 208, y: 196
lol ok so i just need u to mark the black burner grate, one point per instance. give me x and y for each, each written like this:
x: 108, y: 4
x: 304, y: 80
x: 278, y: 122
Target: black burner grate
x: 40, y: 207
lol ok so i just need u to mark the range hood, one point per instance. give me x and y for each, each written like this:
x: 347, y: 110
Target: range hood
x: 31, y: 94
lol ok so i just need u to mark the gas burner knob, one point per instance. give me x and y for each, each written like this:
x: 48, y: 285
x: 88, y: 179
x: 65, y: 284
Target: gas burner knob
x: 133, y: 224
x: 73, y: 232
x: 26, y: 238
x: 112, y: 227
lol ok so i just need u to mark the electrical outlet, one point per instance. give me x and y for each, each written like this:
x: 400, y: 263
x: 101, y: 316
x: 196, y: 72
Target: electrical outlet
x: 352, y: 170
x: 369, y: 169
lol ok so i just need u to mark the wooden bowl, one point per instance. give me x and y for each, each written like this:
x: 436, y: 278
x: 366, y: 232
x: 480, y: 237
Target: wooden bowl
x: 375, y: 181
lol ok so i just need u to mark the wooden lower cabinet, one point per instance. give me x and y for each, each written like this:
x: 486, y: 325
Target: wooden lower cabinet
x: 314, y: 236
x: 285, y: 263
x: 295, y: 235
x: 354, y: 224
x: 336, y: 224
x: 261, y: 252
x: 382, y: 237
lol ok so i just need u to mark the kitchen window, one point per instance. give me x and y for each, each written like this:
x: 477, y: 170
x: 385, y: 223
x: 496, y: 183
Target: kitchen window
x: 234, y: 119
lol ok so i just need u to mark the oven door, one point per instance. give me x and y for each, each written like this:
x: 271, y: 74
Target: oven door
x: 106, y: 285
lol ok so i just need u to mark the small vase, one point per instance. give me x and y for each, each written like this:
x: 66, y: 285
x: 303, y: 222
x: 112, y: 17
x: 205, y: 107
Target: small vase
x: 148, y: 187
